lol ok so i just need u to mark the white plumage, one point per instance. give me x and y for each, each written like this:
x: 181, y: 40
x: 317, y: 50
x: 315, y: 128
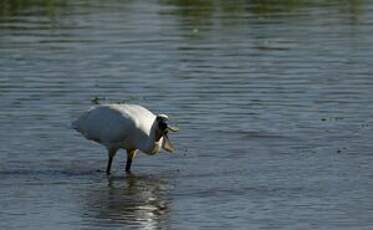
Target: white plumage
x: 126, y: 126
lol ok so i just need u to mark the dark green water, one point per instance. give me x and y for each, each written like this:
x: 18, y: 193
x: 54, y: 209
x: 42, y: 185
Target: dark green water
x: 274, y: 100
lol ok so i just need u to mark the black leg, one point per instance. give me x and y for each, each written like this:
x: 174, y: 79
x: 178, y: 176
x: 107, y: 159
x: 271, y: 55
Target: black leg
x: 130, y: 156
x: 108, y: 168
x: 111, y: 154
x: 128, y: 164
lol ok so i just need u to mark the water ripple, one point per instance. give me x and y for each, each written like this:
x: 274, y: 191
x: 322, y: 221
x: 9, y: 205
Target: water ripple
x: 273, y: 98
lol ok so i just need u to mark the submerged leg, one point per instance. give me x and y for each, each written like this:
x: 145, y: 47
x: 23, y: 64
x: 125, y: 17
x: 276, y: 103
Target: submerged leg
x: 111, y: 153
x: 130, y: 155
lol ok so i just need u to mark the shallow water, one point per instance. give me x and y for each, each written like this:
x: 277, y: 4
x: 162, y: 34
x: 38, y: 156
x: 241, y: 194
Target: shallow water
x: 274, y: 100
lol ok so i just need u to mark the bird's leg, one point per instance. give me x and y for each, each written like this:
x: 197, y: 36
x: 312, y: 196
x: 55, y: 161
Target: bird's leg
x: 130, y: 155
x: 111, y: 153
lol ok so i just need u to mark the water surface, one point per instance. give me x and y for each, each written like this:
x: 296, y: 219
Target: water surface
x: 274, y: 101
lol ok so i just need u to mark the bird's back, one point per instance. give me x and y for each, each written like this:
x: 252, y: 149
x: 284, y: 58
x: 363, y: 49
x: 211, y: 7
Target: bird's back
x: 115, y: 124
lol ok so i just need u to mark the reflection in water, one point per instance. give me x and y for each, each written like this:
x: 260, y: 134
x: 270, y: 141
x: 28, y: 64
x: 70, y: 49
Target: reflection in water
x: 194, y: 12
x: 199, y: 12
x: 131, y: 201
x: 289, y: 82
x: 37, y: 7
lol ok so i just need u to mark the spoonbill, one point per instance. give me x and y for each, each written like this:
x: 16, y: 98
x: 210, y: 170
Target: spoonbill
x: 127, y: 126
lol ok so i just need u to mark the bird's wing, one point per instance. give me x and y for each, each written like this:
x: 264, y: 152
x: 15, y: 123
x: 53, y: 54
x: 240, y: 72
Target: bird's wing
x: 104, y: 124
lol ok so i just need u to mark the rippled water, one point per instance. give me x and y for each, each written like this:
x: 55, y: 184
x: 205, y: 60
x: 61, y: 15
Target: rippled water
x: 274, y: 100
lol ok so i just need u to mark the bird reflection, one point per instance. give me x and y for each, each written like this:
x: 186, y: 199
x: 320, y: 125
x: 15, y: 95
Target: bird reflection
x: 131, y: 200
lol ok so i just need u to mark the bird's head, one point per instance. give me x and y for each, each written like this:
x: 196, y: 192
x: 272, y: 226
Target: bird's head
x: 162, y: 129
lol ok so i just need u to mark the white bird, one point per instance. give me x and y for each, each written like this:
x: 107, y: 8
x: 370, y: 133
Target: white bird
x: 128, y: 126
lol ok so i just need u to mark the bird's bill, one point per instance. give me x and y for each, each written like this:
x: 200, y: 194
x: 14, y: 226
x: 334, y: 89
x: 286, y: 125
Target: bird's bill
x: 167, y: 144
x: 172, y: 129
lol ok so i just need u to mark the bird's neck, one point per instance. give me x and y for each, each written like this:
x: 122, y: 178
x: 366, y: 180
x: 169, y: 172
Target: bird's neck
x: 153, y: 144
